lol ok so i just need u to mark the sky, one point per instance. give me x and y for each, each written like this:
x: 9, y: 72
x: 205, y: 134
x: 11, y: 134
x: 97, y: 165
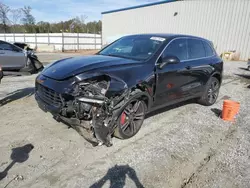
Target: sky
x: 62, y: 10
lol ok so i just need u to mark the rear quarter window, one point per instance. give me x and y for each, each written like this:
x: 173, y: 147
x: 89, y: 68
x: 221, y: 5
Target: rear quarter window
x: 208, y: 49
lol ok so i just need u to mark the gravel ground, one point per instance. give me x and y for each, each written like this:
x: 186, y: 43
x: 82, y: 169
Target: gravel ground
x: 186, y: 145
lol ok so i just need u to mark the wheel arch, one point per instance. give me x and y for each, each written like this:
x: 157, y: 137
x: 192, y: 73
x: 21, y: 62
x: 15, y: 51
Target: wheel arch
x: 218, y: 76
x: 145, y: 96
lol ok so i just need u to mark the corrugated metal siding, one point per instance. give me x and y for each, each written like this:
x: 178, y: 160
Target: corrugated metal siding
x: 225, y: 22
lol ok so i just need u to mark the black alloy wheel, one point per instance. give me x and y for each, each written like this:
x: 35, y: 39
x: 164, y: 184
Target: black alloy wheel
x: 131, y: 119
x: 212, y: 91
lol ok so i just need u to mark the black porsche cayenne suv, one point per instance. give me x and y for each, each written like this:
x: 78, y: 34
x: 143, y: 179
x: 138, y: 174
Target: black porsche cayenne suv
x: 109, y: 93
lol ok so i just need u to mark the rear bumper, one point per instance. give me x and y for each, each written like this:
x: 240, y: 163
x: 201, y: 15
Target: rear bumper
x: 47, y: 107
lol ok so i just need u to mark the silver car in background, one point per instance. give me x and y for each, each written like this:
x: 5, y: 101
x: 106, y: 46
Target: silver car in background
x: 1, y: 74
x: 248, y: 64
x: 13, y: 58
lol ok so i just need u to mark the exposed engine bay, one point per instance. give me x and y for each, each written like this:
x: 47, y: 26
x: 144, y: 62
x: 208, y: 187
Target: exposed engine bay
x: 90, y: 111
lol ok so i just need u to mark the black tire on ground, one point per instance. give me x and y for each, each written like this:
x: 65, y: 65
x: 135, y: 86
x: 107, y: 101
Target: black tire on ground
x: 211, y: 92
x: 133, y: 116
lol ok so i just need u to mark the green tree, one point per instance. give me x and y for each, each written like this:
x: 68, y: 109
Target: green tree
x: 15, y: 16
x: 80, y: 23
x: 28, y: 19
x: 43, y: 27
x: 4, y: 9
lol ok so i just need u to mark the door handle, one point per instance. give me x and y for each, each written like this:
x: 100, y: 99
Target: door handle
x: 188, y: 67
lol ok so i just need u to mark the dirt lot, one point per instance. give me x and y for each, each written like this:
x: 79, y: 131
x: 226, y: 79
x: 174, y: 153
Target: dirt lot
x: 182, y: 146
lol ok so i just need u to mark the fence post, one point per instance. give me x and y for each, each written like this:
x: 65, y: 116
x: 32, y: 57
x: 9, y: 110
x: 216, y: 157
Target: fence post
x: 14, y: 37
x: 78, y: 41
x: 95, y: 41
x: 101, y: 40
x: 4, y: 37
x: 24, y: 38
x: 35, y: 41
x: 62, y: 42
x: 48, y: 39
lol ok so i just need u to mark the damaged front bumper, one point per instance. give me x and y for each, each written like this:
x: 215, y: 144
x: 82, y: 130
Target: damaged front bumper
x: 87, y: 110
x: 47, y: 107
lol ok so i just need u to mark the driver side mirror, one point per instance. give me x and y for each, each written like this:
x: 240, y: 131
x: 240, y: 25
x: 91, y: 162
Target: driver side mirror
x: 168, y: 60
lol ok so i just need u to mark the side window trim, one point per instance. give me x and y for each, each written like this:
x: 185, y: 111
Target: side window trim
x: 186, y: 40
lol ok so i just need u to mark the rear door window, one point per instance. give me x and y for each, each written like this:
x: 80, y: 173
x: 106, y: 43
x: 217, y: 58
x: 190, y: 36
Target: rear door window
x: 208, y: 49
x: 178, y: 48
x: 196, y: 49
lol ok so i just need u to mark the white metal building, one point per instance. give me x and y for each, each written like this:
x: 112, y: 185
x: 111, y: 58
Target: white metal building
x: 225, y: 22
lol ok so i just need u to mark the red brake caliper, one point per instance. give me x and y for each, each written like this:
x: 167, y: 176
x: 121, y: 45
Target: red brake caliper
x: 123, y: 118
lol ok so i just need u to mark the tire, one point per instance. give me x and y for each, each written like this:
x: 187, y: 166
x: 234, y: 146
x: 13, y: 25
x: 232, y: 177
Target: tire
x: 131, y: 119
x: 211, y: 92
x: 248, y: 68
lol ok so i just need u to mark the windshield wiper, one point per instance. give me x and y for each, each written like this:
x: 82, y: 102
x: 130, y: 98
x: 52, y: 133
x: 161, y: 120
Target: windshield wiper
x: 125, y: 57
x: 113, y: 55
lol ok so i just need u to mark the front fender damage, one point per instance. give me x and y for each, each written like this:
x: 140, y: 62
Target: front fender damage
x: 105, y: 117
x: 96, y: 107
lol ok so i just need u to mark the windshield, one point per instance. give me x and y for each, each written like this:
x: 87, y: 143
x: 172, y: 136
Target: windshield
x: 134, y: 47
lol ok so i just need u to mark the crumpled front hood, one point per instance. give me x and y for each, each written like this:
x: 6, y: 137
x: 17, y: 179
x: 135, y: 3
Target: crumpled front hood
x: 69, y: 67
